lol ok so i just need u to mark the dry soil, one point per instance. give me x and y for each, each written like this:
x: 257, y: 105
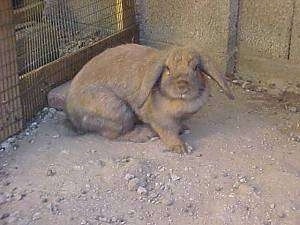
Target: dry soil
x: 244, y: 169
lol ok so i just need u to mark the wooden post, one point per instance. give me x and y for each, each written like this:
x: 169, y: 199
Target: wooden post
x: 128, y: 17
x: 10, y: 104
x: 119, y: 13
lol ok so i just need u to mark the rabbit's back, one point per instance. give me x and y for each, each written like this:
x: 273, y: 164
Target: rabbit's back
x: 128, y: 70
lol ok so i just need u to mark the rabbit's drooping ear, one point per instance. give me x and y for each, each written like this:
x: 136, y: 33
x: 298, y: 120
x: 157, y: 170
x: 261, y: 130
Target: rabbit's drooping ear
x: 210, y: 70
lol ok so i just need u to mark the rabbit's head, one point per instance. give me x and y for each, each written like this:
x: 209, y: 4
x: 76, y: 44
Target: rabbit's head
x: 184, y: 74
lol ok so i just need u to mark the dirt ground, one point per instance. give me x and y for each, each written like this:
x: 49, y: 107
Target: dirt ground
x: 244, y: 169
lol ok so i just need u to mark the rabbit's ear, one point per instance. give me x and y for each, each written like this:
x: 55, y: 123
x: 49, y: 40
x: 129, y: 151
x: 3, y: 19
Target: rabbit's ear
x: 153, y: 72
x: 210, y: 70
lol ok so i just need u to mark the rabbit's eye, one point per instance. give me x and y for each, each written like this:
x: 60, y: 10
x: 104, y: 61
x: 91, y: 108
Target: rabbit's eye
x: 197, y: 67
x: 167, y: 70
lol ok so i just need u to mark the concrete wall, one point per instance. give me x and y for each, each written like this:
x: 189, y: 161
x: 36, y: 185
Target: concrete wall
x: 258, y: 39
x: 269, y: 43
x: 203, y: 23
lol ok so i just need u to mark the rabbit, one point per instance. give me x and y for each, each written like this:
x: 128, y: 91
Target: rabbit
x: 133, y: 93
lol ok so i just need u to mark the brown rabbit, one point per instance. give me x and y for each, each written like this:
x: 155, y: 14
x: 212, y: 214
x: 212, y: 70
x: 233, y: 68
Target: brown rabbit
x: 131, y: 83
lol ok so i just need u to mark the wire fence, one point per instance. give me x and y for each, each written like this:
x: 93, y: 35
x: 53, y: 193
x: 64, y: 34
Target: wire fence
x: 44, y: 43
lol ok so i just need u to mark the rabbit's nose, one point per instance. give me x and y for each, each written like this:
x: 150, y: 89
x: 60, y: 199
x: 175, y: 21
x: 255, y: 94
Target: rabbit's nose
x: 183, y: 86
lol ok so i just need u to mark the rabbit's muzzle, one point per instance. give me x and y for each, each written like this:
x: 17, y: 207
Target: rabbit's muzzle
x: 183, y: 86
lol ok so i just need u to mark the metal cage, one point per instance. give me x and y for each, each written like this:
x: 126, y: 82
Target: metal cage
x: 44, y: 43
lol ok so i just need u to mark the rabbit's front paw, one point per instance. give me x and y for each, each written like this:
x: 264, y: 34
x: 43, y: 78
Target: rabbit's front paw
x: 180, y: 148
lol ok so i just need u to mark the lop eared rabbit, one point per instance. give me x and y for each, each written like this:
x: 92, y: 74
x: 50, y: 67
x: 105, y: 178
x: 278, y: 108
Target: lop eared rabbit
x: 133, y: 92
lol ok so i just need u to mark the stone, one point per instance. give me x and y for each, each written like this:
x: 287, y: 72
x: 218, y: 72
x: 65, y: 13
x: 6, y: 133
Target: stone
x: 167, y: 200
x: 133, y: 184
x: 3, y: 199
x: 142, y: 191
x: 36, y: 216
x: 57, y: 96
x: 292, y: 109
x: 129, y: 176
x: 174, y: 177
x: 4, y: 216
x: 20, y: 196
x: 50, y: 172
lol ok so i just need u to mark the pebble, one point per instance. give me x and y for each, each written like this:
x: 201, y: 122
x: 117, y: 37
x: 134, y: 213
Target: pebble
x: 133, y: 184
x: 84, y: 222
x: 168, y: 201
x: 187, y: 131
x: 54, y: 209
x: 174, y: 177
x: 20, y: 196
x: 272, y: 206
x: 281, y: 215
x: 3, y: 198
x: 129, y: 176
x: 44, y: 199
x: 189, y: 148
x: 243, y: 180
x: 219, y: 188
x: 11, y: 219
x: 36, y: 216
x: 8, y: 143
x: 154, y: 138
x: 295, y: 138
x: 142, y: 191
x: 102, y: 219
x: 4, y: 216
x: 292, y: 109
x: 50, y: 172
x: 56, y: 136
x: 131, y: 213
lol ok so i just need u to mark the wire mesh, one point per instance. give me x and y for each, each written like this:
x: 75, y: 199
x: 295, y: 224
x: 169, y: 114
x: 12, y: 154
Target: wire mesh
x: 44, y: 43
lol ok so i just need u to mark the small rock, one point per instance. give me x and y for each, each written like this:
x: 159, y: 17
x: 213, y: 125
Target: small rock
x: 236, y: 185
x: 245, y: 84
x: 3, y: 198
x: 12, y: 219
x: 54, y: 209
x: 142, y: 191
x: 44, y: 199
x: 292, y: 109
x: 161, y: 168
x: 237, y: 82
x: 4, y: 216
x: 50, y: 172
x: 187, y: 131
x: 168, y: 201
x: 59, y: 199
x: 5, y: 183
x: 133, y: 184
x: 154, y: 138
x: 281, y: 214
x: 219, y: 188
x: 295, y: 138
x: 129, y: 176
x: 102, y: 219
x: 272, y: 206
x: 20, y: 196
x: 174, y: 177
x: 189, y: 148
x: 83, y: 222
x: 83, y: 191
x: 243, y: 180
x: 131, y: 213
x: 56, y: 136
x: 36, y: 216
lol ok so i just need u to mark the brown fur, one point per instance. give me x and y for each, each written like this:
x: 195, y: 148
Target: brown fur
x: 132, y: 83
